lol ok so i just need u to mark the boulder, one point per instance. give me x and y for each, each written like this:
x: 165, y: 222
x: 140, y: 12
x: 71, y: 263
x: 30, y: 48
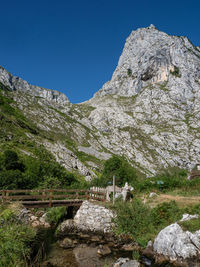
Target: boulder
x: 188, y: 217
x: 177, y: 245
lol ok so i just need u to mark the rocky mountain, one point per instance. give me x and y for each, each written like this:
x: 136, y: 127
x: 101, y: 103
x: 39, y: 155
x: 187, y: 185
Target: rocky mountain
x: 149, y: 111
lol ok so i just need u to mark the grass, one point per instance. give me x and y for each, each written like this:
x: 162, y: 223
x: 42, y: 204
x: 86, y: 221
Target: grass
x: 15, y: 238
x: 182, y: 202
x: 142, y: 222
x: 191, y: 225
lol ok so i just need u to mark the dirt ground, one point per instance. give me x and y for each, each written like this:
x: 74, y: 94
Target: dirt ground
x: 181, y: 200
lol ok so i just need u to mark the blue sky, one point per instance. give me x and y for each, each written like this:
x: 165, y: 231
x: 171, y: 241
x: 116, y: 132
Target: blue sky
x: 74, y: 46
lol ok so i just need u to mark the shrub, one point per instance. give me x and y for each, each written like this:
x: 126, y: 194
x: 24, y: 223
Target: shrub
x: 119, y: 167
x: 129, y: 72
x: 143, y: 223
x: 11, y: 161
x: 54, y: 215
x: 168, y: 179
x: 134, y: 219
x: 165, y: 214
x: 15, y: 239
x: 191, y: 225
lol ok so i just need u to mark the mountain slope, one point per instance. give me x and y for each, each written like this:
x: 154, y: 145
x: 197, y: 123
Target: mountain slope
x: 149, y: 111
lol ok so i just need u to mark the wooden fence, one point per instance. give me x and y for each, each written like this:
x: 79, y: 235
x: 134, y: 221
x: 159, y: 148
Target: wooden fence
x: 50, y: 197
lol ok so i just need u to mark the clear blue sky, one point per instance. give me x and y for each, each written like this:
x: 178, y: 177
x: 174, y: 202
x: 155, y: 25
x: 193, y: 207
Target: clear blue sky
x: 74, y: 46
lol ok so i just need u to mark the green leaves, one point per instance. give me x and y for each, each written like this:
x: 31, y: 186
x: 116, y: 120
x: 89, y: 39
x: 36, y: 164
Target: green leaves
x: 119, y: 167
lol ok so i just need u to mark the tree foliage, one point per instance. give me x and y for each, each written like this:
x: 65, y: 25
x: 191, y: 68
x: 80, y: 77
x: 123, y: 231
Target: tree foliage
x: 119, y: 167
x: 29, y: 172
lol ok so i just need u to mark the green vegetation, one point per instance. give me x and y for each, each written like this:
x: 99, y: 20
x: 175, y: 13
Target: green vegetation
x: 119, y: 167
x: 55, y: 215
x: 27, y: 172
x: 191, y: 225
x: 166, y: 180
x: 15, y: 239
x: 144, y: 223
x: 176, y: 72
x: 129, y: 72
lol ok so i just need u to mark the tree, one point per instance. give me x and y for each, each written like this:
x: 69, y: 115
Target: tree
x: 11, y: 161
x: 119, y: 167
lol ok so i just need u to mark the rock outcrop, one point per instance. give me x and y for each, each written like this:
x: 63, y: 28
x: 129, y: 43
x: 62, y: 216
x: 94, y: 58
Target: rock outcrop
x: 152, y: 56
x: 89, y: 218
x: 149, y: 111
x: 18, y: 84
x: 177, y: 245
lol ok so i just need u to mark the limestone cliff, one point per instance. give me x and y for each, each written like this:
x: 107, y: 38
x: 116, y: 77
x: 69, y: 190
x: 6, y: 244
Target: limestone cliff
x: 149, y: 111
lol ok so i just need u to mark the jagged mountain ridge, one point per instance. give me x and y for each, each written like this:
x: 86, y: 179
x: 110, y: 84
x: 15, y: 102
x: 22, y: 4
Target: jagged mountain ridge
x: 149, y: 111
x: 17, y: 84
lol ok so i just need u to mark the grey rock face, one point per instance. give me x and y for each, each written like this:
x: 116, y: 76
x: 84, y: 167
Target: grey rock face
x: 90, y: 217
x: 152, y: 56
x: 174, y: 243
x: 16, y: 83
x: 149, y: 111
x: 93, y: 217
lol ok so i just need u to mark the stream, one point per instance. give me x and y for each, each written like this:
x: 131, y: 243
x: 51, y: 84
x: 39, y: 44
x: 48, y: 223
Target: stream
x: 83, y: 255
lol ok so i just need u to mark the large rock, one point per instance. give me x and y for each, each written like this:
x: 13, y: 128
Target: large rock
x: 90, y: 217
x: 176, y: 244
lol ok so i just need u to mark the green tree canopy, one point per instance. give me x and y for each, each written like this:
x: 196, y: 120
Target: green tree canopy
x: 121, y: 168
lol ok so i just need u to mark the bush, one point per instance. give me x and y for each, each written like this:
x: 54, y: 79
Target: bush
x: 119, y: 167
x: 54, y: 215
x: 168, y: 179
x: 134, y: 219
x: 176, y: 72
x: 14, y: 248
x: 15, y: 239
x: 11, y: 161
x: 191, y: 225
x: 165, y: 214
x: 143, y: 223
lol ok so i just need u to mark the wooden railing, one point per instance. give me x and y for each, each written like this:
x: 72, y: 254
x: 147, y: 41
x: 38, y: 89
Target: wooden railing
x: 50, y: 197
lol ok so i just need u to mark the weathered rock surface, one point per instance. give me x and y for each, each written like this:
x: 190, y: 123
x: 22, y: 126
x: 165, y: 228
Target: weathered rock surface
x: 16, y: 83
x: 177, y: 245
x: 188, y: 217
x: 27, y: 217
x: 90, y: 217
x: 126, y: 262
x: 149, y: 111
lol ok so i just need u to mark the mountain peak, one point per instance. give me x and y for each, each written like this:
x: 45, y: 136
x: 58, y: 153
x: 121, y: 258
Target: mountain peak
x: 153, y: 57
x: 151, y: 26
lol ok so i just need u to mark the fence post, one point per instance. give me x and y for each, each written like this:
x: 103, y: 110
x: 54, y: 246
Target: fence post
x: 43, y: 196
x: 3, y: 196
x: 7, y: 195
x: 113, y: 189
x: 50, y: 198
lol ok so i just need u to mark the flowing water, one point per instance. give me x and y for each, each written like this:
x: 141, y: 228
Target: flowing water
x: 83, y: 255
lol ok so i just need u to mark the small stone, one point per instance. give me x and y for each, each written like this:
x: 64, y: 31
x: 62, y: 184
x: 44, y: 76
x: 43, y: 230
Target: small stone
x: 103, y: 250
x: 67, y: 243
x: 35, y: 224
x: 153, y: 194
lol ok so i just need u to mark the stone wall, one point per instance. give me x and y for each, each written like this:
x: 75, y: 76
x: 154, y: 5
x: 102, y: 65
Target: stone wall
x: 90, y: 217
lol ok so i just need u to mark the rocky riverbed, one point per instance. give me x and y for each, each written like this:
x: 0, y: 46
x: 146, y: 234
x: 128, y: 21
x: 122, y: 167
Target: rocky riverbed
x: 88, y: 240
